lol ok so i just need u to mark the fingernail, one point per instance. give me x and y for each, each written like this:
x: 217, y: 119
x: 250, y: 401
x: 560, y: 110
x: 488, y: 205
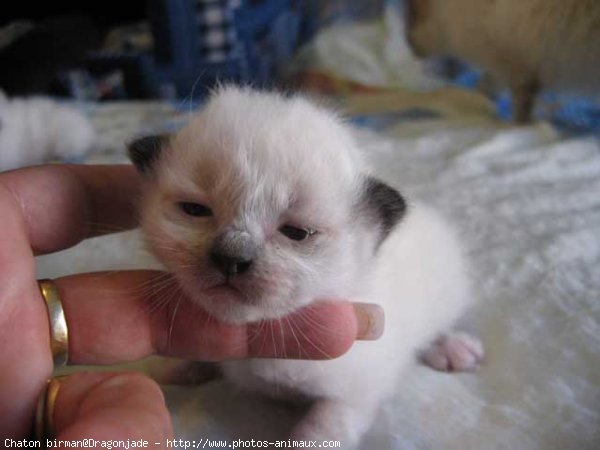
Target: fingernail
x: 370, y: 320
x: 117, y: 382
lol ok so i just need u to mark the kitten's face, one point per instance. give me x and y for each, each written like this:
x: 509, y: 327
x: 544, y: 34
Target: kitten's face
x: 248, y: 249
x: 255, y: 207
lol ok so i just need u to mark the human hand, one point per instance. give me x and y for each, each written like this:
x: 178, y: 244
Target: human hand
x: 50, y: 208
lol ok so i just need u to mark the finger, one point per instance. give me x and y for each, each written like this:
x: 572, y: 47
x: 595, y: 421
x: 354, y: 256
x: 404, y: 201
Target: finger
x: 117, y: 317
x: 24, y: 337
x: 63, y: 204
x: 109, y: 406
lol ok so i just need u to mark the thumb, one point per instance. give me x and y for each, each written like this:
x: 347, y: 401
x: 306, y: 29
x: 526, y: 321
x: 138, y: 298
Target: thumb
x: 111, y: 406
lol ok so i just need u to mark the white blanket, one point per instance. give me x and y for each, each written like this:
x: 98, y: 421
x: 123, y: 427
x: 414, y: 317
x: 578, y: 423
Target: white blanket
x: 528, y: 205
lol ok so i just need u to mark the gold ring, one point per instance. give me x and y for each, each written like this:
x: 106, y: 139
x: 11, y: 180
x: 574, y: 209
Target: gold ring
x: 59, y: 333
x: 44, y: 414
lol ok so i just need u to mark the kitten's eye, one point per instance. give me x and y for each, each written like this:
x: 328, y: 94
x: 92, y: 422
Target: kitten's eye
x: 296, y: 234
x: 195, y: 209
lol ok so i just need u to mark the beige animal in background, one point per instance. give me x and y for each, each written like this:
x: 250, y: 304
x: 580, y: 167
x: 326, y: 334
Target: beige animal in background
x: 527, y: 44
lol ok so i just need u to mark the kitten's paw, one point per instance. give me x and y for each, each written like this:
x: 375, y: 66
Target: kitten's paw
x: 454, y: 352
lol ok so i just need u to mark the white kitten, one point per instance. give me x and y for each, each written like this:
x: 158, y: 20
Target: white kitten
x: 259, y: 207
x: 37, y: 130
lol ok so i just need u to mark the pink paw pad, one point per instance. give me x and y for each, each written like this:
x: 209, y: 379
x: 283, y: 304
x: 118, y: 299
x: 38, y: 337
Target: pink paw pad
x: 455, y: 352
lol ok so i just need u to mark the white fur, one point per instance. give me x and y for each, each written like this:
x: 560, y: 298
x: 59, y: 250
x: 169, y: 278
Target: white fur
x: 420, y: 281
x: 260, y: 161
x: 38, y: 130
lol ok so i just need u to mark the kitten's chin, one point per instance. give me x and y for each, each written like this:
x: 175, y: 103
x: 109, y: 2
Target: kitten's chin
x: 228, y: 304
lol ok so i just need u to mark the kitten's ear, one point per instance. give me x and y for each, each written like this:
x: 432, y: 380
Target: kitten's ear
x: 384, y: 204
x: 144, y: 152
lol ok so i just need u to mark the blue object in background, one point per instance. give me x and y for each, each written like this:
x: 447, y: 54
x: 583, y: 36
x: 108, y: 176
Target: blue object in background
x: 201, y: 42
x: 570, y: 114
x: 573, y: 114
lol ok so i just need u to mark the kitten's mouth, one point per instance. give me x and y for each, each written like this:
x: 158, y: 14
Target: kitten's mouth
x: 228, y: 290
x: 225, y: 286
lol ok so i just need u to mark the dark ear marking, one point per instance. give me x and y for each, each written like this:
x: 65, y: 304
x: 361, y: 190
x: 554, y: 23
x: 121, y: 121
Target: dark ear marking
x: 387, y: 205
x: 144, y: 152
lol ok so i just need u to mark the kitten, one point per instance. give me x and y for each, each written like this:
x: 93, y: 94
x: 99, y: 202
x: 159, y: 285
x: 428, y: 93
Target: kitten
x: 261, y: 206
x: 527, y: 44
x: 37, y: 130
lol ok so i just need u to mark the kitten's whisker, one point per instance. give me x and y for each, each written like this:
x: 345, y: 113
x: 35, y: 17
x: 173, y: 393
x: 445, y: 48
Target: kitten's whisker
x: 275, y: 350
x: 190, y: 97
x: 311, y: 317
x: 105, y: 227
x: 254, y: 335
x: 173, y: 323
x: 311, y: 342
x: 160, y: 299
x: 149, y: 287
x: 291, y: 327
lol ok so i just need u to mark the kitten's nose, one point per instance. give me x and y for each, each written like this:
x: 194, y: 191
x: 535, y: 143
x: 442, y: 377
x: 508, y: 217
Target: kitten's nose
x: 229, y: 265
x: 233, y: 252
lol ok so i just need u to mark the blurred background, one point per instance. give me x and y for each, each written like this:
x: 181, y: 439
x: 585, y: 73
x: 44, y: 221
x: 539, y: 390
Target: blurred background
x: 144, y: 49
x: 179, y: 49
